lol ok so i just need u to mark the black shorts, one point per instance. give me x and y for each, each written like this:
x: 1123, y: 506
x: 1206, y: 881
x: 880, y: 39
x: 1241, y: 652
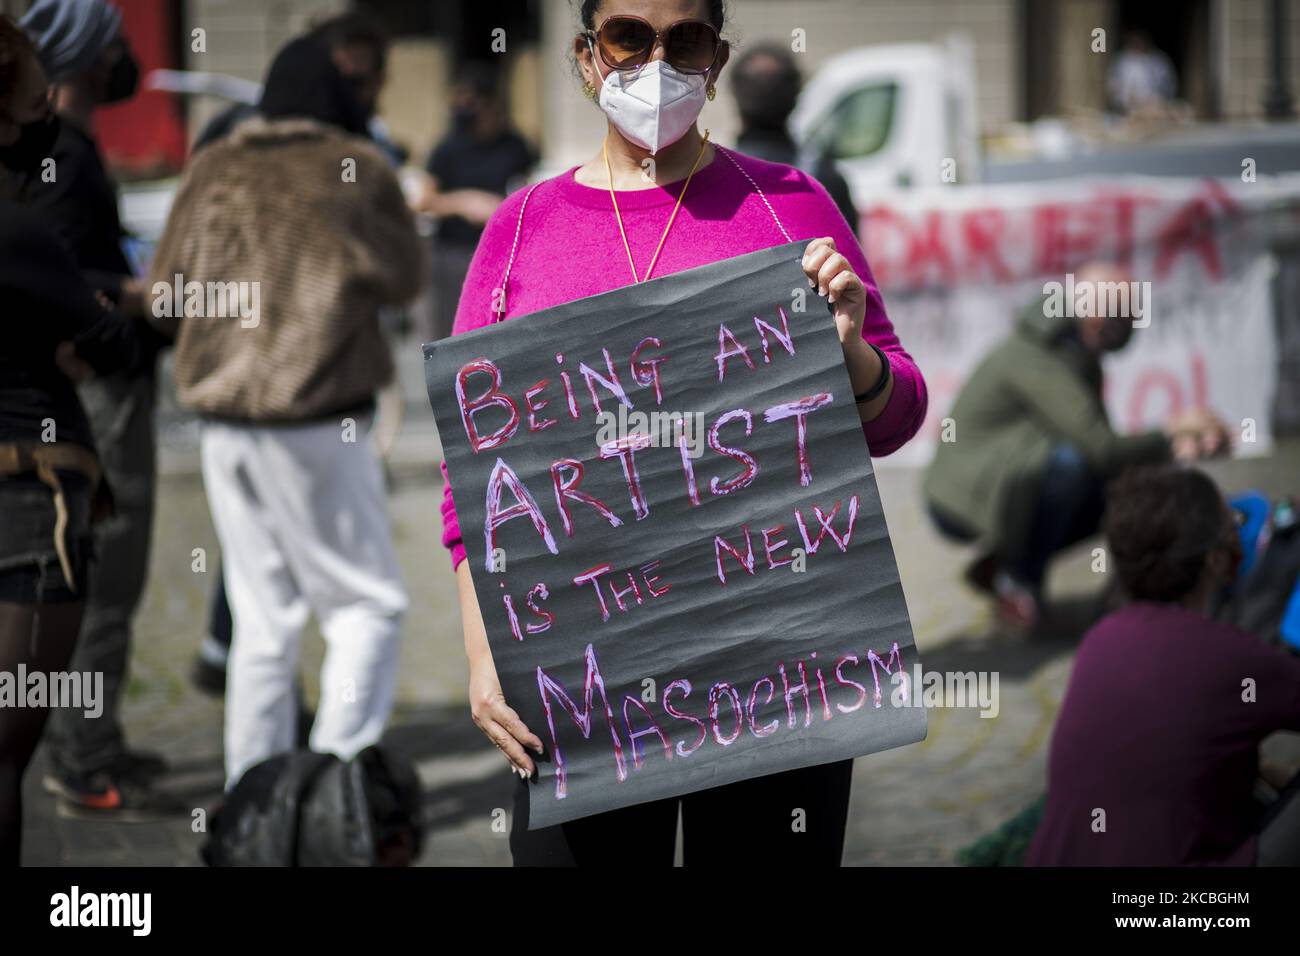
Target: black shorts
x: 30, y: 570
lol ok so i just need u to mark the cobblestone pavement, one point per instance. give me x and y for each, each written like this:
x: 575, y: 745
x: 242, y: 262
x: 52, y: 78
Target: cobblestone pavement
x: 915, y: 805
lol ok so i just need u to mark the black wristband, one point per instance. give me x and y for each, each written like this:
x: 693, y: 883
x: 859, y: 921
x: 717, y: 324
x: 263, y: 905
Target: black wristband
x: 885, y: 373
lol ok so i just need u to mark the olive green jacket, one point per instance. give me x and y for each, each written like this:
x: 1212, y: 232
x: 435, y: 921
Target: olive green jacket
x: 1038, y: 389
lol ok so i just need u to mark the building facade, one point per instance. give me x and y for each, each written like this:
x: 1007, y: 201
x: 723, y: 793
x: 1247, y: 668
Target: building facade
x: 1032, y: 58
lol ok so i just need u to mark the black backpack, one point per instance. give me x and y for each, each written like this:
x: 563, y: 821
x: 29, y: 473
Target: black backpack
x: 309, y: 809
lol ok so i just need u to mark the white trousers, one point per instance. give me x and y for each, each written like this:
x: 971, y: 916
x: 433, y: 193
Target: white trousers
x: 302, y: 519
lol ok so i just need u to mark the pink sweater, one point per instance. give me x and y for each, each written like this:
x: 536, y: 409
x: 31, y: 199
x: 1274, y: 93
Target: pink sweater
x: 569, y: 248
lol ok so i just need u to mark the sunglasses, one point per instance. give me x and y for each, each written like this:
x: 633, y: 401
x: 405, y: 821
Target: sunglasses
x: 627, y: 43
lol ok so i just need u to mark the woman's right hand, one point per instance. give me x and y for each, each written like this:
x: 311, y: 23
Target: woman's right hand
x: 487, y: 703
x: 70, y: 364
x: 497, y: 719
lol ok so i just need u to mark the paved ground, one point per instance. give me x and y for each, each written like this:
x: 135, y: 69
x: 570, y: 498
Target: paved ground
x: 916, y: 805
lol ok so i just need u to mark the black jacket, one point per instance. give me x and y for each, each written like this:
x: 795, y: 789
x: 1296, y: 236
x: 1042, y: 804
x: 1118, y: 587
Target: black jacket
x: 778, y: 147
x: 80, y: 206
x: 44, y: 301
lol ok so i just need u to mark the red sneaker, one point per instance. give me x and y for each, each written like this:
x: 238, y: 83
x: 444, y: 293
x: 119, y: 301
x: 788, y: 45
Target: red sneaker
x: 1017, y: 605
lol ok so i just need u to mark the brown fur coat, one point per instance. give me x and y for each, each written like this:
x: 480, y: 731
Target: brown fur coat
x: 294, y: 262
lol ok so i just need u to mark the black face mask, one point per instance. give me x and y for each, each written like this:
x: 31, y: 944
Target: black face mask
x: 122, y: 79
x: 1116, y: 332
x: 358, y: 84
x: 767, y: 100
x: 32, y: 147
x: 463, y: 118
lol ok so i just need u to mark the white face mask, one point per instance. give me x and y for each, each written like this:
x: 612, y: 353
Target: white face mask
x: 653, y: 106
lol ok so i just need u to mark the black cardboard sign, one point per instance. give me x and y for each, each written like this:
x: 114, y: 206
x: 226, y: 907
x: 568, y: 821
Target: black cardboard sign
x: 675, y: 535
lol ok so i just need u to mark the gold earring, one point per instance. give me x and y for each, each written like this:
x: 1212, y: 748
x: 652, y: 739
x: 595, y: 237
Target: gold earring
x: 711, y: 92
x: 589, y: 90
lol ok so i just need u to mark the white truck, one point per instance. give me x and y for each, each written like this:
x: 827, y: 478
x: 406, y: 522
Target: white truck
x: 894, y: 116
x: 906, y: 116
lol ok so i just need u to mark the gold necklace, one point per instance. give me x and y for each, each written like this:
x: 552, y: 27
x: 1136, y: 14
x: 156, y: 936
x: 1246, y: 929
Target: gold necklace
x: 604, y: 148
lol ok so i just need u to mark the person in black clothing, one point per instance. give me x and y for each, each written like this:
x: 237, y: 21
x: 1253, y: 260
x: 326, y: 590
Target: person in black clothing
x: 472, y: 169
x: 86, y: 56
x: 90, y: 64
x: 49, y: 473
x: 766, y: 82
x: 358, y: 46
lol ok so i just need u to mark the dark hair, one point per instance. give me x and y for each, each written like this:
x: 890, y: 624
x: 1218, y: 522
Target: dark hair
x: 1162, y: 522
x: 304, y: 82
x: 717, y: 13
x: 480, y: 76
x: 14, y: 45
x: 766, y: 81
x: 357, y: 28
x: 587, y: 14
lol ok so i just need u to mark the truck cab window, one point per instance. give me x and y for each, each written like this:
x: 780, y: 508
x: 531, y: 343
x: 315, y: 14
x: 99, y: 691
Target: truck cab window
x: 859, y: 124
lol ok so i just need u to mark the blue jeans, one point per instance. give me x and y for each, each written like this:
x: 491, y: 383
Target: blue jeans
x: 1069, y: 507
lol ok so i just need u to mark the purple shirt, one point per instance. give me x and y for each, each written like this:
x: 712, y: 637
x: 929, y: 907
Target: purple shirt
x: 569, y: 248
x: 1157, y: 731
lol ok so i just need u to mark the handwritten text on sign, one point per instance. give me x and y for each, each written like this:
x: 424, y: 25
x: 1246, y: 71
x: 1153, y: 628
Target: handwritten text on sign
x: 675, y: 535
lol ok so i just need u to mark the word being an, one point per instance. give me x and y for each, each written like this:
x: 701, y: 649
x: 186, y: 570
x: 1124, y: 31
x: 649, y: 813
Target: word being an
x: 211, y: 300
x: 73, y: 690
x: 507, y: 411
x: 933, y: 689
x: 1119, y: 300
x: 74, y: 908
x: 661, y: 429
x: 792, y: 697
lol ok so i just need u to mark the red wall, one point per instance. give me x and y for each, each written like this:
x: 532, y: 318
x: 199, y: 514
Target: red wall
x: 146, y: 134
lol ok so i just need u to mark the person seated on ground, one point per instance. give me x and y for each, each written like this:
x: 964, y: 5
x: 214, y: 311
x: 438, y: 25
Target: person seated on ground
x: 1154, y: 757
x: 1025, y: 472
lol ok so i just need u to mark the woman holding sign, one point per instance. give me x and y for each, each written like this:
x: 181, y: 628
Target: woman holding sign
x: 658, y: 198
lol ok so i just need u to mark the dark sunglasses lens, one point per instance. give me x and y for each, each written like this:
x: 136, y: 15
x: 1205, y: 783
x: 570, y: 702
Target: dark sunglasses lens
x: 624, y: 41
x: 691, y: 46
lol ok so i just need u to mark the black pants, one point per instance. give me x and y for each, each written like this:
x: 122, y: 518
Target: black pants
x: 1070, y: 505
x: 120, y: 409
x: 795, y: 817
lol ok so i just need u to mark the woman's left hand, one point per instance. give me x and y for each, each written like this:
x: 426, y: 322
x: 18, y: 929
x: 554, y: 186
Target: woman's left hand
x: 832, y: 276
